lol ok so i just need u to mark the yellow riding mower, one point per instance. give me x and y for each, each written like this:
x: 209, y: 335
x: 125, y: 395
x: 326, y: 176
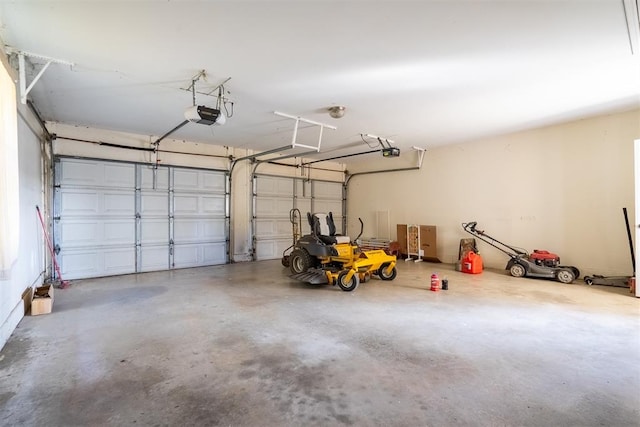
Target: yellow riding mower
x: 324, y: 257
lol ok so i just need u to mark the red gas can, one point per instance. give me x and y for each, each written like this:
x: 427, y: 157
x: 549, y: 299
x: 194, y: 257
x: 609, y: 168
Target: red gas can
x: 472, y: 263
x: 435, y: 282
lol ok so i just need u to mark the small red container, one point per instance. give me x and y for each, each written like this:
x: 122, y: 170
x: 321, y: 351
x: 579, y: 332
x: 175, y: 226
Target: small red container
x: 435, y: 282
x: 472, y: 263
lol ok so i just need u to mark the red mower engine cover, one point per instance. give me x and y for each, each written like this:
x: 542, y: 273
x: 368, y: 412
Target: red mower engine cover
x: 547, y: 258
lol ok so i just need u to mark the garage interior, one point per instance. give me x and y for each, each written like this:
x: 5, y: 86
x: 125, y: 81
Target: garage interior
x: 166, y: 145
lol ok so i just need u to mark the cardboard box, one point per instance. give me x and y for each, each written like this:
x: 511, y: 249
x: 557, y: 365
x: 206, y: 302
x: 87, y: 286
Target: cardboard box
x: 27, y: 296
x: 428, y: 249
x: 42, y: 302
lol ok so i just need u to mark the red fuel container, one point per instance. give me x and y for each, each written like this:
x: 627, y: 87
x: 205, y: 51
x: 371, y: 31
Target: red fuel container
x: 472, y: 263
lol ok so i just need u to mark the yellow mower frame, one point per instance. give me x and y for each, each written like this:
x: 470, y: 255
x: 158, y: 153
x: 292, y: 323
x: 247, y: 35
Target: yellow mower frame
x: 358, y: 266
x: 334, y: 259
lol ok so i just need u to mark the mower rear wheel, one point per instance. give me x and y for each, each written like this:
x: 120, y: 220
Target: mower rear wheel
x: 517, y: 270
x: 350, y: 285
x: 576, y: 272
x: 299, y: 261
x: 383, y: 275
x: 565, y: 275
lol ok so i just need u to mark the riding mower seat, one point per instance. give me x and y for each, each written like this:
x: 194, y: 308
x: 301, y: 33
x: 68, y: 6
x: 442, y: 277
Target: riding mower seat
x: 323, y: 227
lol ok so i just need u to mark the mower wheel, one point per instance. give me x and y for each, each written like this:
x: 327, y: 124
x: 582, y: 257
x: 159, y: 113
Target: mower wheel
x: 576, y: 272
x: 299, y: 261
x: 518, y: 270
x: 348, y: 286
x: 588, y: 280
x: 285, y: 261
x: 383, y: 275
x: 565, y: 275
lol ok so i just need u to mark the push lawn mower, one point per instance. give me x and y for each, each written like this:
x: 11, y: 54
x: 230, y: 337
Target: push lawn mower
x: 540, y: 264
x: 324, y: 257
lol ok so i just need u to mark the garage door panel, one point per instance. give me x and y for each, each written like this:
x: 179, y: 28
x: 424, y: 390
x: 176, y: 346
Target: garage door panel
x: 76, y: 172
x: 194, y: 255
x: 212, y: 205
x: 304, y: 205
x: 119, y: 261
x: 75, y: 202
x: 271, y: 249
x: 187, y: 180
x: 162, y: 178
x: 95, y: 232
x: 271, y: 207
x: 78, y: 202
x: 198, y: 205
x: 119, y: 203
x: 327, y: 190
x: 214, y: 253
x: 274, y: 186
x: 152, y: 203
x: 154, y: 231
x: 326, y: 206
x: 154, y: 258
x: 119, y: 232
x: 198, y: 230
x: 270, y: 228
x: 78, y: 264
x: 75, y: 265
x: 214, y: 182
x: 185, y: 205
x: 303, y: 188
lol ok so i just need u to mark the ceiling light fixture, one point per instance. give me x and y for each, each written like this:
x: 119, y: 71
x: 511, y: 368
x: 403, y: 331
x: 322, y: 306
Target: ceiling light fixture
x: 337, y: 111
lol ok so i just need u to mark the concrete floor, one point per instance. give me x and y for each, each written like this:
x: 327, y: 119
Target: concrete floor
x: 244, y: 345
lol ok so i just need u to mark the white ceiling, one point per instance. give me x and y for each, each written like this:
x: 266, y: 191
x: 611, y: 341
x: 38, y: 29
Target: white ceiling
x: 422, y: 73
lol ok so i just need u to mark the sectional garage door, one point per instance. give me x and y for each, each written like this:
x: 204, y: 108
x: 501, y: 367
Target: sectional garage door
x: 273, y: 199
x: 116, y: 218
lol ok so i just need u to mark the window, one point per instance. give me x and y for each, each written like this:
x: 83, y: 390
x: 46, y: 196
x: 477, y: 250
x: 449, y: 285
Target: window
x: 9, y: 185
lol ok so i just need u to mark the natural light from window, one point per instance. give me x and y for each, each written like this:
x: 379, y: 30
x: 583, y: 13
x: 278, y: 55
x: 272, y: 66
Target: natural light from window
x: 9, y: 194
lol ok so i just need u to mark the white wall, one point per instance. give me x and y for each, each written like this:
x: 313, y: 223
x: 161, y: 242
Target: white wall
x: 28, y: 271
x: 560, y: 188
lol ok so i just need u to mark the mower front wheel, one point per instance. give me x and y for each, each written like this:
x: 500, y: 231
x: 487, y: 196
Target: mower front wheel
x: 299, y: 261
x: 349, y: 286
x: 518, y: 270
x: 383, y: 275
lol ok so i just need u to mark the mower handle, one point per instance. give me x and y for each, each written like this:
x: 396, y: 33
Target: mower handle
x: 361, y: 229
x: 471, y: 226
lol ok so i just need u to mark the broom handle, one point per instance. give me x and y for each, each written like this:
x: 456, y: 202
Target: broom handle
x: 49, y: 245
x: 633, y: 256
